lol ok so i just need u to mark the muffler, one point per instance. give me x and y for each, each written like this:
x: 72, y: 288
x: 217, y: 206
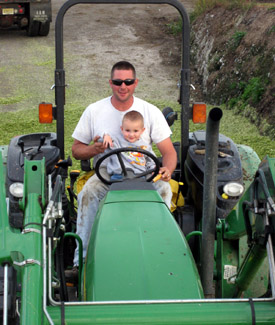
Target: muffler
x: 209, y: 201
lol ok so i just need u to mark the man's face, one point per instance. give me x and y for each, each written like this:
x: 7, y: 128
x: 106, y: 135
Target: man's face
x: 123, y: 92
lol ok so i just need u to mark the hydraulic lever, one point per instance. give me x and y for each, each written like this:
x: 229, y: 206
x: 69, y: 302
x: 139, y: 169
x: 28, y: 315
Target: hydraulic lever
x: 42, y: 141
x: 21, y: 145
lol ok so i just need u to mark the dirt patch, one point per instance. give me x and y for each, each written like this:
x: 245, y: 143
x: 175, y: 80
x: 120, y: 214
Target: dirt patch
x: 95, y: 37
x: 228, y: 49
x: 137, y: 34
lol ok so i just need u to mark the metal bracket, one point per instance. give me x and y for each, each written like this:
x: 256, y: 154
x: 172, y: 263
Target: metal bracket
x: 28, y: 261
x: 28, y: 230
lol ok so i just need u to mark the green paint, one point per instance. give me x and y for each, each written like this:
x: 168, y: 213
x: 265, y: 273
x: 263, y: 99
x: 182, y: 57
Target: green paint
x: 138, y: 252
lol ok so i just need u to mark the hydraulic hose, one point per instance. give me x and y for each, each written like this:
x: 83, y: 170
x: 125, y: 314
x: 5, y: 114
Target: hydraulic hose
x: 57, y: 187
x: 60, y: 269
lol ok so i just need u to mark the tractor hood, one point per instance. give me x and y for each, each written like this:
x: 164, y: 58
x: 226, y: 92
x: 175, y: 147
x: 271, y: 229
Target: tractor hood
x: 138, y: 252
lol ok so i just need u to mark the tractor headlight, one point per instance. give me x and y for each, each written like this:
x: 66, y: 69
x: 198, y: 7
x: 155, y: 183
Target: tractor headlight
x: 16, y: 189
x: 233, y: 189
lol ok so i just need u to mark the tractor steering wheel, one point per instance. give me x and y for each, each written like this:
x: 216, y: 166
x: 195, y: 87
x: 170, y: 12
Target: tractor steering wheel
x: 154, y: 171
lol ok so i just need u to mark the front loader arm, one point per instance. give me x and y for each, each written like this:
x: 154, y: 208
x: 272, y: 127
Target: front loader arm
x: 254, y: 216
x: 23, y: 249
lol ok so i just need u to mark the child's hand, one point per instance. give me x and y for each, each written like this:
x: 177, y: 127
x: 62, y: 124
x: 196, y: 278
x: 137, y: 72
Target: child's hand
x: 107, y: 141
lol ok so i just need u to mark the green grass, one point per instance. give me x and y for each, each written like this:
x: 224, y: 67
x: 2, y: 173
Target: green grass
x: 234, y: 126
x: 24, y: 122
x: 203, y: 6
x: 236, y: 39
x: 175, y: 27
x: 11, y: 100
x: 45, y: 63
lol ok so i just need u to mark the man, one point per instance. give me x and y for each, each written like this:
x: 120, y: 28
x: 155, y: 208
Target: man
x: 106, y: 116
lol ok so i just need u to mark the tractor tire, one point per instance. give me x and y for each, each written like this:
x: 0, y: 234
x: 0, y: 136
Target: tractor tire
x: 44, y: 28
x: 33, y: 28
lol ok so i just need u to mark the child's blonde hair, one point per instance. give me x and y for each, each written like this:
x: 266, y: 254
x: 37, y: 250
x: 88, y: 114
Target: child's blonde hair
x: 133, y: 116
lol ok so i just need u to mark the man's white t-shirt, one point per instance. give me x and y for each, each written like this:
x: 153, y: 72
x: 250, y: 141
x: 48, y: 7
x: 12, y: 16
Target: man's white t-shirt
x: 102, y: 117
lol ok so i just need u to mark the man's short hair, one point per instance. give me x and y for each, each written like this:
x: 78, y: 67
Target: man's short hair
x: 123, y: 65
x: 133, y: 116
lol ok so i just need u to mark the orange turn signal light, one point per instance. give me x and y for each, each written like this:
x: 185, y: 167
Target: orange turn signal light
x: 45, y: 113
x: 199, y: 113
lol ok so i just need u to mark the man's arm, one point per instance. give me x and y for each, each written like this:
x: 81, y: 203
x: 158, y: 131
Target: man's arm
x: 169, y: 158
x: 83, y: 151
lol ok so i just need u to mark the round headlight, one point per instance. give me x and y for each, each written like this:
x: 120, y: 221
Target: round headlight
x: 16, y: 189
x: 233, y: 189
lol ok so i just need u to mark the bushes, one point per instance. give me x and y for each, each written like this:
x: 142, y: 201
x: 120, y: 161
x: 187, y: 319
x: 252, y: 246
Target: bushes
x: 253, y: 91
x: 236, y: 39
x: 250, y: 93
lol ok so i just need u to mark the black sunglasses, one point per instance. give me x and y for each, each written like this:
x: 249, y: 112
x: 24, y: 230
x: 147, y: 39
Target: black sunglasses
x: 119, y: 82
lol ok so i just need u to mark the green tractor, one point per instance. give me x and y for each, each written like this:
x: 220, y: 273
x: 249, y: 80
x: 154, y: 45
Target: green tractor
x: 210, y: 261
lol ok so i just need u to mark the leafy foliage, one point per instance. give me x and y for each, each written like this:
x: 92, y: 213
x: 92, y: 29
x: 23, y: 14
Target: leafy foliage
x: 236, y: 39
x: 253, y: 91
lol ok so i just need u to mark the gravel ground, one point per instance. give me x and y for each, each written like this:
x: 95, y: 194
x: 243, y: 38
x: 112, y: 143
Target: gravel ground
x: 95, y: 37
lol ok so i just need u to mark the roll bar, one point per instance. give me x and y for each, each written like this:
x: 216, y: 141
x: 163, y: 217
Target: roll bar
x: 185, y: 70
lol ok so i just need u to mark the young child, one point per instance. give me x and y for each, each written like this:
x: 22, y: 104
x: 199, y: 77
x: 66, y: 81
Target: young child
x: 131, y: 130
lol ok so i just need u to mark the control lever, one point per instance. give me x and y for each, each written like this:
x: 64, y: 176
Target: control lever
x: 65, y: 163
x: 21, y: 145
x: 42, y: 141
x: 73, y: 177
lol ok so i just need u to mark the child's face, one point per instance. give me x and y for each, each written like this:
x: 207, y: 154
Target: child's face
x: 132, y: 130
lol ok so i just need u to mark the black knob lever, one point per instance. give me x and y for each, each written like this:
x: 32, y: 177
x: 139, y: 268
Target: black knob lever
x: 21, y: 145
x: 42, y: 141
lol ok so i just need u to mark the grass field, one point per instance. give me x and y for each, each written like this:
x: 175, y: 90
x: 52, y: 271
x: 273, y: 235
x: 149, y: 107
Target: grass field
x: 234, y: 126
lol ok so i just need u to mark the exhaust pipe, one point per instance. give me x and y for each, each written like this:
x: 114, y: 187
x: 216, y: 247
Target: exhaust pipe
x: 209, y: 201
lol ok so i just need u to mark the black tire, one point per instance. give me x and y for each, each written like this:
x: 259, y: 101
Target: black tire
x: 44, y: 28
x: 33, y: 28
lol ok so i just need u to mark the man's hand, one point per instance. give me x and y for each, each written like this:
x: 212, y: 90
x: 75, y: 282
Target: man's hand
x: 83, y: 151
x: 165, y: 174
x: 99, y: 146
x: 169, y: 159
